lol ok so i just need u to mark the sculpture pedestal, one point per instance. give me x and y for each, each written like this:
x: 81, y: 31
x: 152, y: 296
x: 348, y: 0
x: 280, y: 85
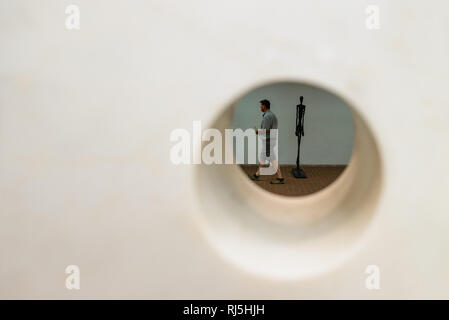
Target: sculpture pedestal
x: 298, y: 173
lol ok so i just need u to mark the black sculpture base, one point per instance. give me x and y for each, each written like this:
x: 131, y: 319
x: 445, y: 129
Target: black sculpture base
x: 298, y: 173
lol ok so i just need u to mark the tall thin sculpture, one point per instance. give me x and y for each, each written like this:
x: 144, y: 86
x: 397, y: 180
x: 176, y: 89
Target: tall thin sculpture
x: 299, y: 132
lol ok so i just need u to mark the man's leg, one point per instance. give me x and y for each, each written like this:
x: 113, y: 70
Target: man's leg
x: 262, y: 160
x: 257, y: 174
x: 279, y: 179
x: 278, y: 172
x: 261, y: 163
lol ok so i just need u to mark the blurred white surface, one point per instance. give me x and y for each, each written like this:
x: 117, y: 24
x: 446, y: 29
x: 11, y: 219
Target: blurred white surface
x: 85, y: 117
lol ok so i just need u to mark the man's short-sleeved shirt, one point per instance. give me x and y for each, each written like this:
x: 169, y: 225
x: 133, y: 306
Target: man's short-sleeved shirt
x: 269, y: 120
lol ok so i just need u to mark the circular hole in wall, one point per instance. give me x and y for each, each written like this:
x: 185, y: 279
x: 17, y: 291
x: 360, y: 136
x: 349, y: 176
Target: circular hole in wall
x: 282, y: 237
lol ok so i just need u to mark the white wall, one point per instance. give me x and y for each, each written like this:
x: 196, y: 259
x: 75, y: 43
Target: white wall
x: 329, y: 128
x: 85, y: 175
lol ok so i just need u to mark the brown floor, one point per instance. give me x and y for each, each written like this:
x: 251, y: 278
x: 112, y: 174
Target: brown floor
x: 318, y: 177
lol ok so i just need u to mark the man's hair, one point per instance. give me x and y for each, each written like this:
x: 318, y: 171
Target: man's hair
x: 266, y: 103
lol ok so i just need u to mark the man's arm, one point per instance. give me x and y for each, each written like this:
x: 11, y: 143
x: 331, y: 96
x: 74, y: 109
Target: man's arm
x: 263, y: 124
x: 268, y: 124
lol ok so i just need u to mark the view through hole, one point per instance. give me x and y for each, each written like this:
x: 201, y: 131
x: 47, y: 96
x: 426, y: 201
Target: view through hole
x: 325, y: 127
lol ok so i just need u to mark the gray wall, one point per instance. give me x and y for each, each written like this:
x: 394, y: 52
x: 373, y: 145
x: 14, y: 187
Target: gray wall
x: 329, y: 129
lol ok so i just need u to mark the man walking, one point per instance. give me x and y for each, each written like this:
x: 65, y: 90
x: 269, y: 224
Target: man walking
x: 269, y: 122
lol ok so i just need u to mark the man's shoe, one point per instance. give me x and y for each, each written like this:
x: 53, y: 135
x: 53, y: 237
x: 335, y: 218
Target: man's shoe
x: 277, y: 181
x: 254, y: 177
